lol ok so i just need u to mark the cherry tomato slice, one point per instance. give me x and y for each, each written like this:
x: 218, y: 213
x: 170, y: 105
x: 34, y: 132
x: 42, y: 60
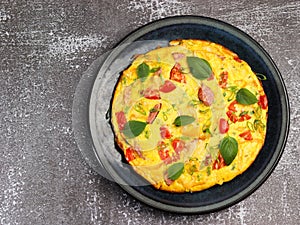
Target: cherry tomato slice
x: 130, y: 154
x: 176, y: 74
x: 244, y: 117
x: 233, y: 118
x: 163, y: 152
x: 223, y: 79
x: 178, y: 145
x: 236, y: 58
x: 165, y: 133
x: 263, y: 102
x: 219, y: 163
x: 231, y: 106
x: 246, y: 135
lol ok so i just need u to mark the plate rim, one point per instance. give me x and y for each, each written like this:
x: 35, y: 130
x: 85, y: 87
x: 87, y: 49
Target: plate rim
x: 262, y: 177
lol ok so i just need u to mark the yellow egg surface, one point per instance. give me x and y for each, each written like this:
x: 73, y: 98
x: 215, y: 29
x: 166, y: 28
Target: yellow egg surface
x: 189, y: 116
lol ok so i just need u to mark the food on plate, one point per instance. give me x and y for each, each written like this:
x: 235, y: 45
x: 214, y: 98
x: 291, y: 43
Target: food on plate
x: 189, y: 116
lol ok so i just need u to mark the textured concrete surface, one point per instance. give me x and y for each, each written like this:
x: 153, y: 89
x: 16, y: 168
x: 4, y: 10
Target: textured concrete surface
x: 45, y: 46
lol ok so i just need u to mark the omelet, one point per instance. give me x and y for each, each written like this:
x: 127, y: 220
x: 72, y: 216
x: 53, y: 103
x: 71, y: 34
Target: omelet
x: 189, y: 116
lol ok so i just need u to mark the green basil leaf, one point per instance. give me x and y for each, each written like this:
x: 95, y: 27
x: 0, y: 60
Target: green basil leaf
x: 175, y: 170
x: 183, y: 120
x: 155, y: 69
x: 228, y: 149
x: 245, y: 97
x: 143, y: 71
x: 199, y: 67
x: 133, y: 128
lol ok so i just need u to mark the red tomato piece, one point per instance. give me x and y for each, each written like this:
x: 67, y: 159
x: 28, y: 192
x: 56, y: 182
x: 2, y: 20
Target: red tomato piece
x: 151, y: 93
x: 178, y: 145
x: 219, y: 163
x: 223, y: 79
x: 176, y: 74
x: 130, y: 154
x: 231, y: 106
x: 236, y: 58
x: 121, y: 119
x: 244, y: 117
x: 167, y: 87
x: 233, y: 118
x: 165, y: 133
x: 223, y: 126
x: 246, y: 135
x: 263, y: 102
x: 163, y: 152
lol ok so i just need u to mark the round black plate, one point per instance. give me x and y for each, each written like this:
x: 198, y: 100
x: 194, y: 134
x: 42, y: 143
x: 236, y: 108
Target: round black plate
x: 159, y: 33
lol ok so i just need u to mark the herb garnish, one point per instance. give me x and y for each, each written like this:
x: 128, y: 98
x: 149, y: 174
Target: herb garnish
x: 228, y: 149
x: 133, y: 128
x: 143, y: 71
x: 199, y: 67
x: 183, y: 120
x: 245, y: 97
x: 175, y: 170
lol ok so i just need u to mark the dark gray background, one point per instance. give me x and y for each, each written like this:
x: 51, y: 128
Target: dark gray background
x: 45, y: 47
